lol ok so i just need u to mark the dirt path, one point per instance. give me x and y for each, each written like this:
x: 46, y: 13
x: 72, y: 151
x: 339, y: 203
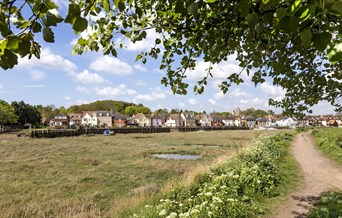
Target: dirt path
x: 320, y: 175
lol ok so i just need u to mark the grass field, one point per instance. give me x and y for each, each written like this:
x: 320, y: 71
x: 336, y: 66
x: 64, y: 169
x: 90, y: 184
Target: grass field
x: 96, y: 176
x: 329, y: 141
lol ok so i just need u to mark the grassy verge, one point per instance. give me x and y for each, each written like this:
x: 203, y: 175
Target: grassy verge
x: 247, y: 186
x: 329, y: 141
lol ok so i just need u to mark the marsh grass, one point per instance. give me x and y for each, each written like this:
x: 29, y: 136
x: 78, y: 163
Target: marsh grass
x: 98, y: 176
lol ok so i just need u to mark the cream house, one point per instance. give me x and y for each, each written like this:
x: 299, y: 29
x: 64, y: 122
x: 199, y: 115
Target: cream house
x: 89, y: 119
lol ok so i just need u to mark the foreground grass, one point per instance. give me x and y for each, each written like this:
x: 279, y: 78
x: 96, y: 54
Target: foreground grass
x: 329, y: 141
x: 329, y: 206
x: 247, y: 186
x: 96, y: 176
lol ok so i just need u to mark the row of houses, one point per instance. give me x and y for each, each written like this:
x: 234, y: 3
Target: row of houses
x: 185, y: 119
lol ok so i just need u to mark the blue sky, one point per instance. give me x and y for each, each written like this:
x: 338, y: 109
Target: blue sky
x: 61, y: 79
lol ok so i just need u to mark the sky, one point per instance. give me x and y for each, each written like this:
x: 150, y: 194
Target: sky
x: 61, y: 79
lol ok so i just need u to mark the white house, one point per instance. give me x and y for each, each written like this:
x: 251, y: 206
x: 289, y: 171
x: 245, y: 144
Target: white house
x: 204, y: 120
x: 286, y: 121
x: 89, y: 119
x: 231, y: 121
x: 172, y: 120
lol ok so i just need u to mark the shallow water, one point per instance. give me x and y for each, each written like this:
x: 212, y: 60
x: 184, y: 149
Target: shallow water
x: 177, y: 156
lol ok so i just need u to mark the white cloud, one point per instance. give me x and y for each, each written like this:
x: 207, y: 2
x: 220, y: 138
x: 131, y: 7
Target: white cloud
x: 212, y: 101
x: 49, y: 61
x: 67, y: 98
x: 192, y: 101
x: 154, y: 95
x: 271, y: 90
x: 219, y: 71
x: 219, y: 95
x: 138, y: 82
x: 131, y: 92
x: 259, y: 103
x: 145, y: 44
x: 88, y: 78
x: 159, y: 71
x: 140, y: 68
x: 82, y: 89
x: 111, y: 91
x: 1, y: 86
x: 238, y: 93
x: 111, y: 65
x: 37, y: 75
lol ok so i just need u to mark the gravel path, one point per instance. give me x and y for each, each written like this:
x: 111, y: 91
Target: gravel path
x: 320, y: 175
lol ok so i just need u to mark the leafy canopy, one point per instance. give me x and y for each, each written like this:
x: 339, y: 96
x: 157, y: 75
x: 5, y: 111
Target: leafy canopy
x: 7, y: 113
x: 296, y: 43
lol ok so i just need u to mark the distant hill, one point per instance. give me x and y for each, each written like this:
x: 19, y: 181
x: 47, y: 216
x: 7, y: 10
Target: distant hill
x: 103, y: 105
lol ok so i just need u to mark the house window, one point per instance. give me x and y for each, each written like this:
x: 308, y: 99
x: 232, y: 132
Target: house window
x: 85, y: 119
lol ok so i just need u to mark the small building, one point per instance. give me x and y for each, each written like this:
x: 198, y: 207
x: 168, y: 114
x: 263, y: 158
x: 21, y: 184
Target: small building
x: 75, y: 120
x: 60, y: 120
x: 173, y: 120
x: 89, y: 119
x: 286, y: 122
x: 120, y: 120
x: 216, y: 121
x: 157, y: 120
x: 144, y: 120
x: 104, y: 118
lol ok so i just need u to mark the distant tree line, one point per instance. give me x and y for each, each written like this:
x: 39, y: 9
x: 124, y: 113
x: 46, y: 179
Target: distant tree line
x: 22, y: 113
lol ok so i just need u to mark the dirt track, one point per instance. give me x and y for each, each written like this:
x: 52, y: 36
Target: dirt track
x: 320, y: 175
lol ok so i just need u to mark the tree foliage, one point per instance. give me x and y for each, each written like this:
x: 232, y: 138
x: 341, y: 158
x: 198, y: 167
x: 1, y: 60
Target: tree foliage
x: 7, y: 114
x: 296, y: 43
x: 26, y: 113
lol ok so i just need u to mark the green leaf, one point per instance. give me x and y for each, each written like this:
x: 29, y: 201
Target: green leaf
x: 321, y: 40
x: 48, y: 35
x: 336, y: 8
x: 24, y: 47
x: 53, y: 18
x: 289, y: 24
x: 211, y: 1
x: 3, y: 44
x: 244, y: 7
x: 36, y: 27
x: 106, y: 5
x: 73, y: 13
x: 50, y: 5
x: 252, y: 20
x: 4, y: 29
x: 10, y: 58
x: 335, y: 52
x: 80, y: 24
x: 179, y: 8
x: 305, y: 36
x: 12, y: 42
x: 193, y: 9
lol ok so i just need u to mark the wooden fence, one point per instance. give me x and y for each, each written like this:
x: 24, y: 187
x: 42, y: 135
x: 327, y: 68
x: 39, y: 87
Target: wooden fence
x: 210, y: 128
x: 4, y: 129
x: 45, y: 133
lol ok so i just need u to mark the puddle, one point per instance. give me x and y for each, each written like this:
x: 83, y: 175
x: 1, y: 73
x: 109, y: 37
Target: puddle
x: 177, y: 156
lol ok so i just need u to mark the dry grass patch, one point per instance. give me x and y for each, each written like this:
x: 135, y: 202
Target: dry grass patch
x: 96, y: 176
